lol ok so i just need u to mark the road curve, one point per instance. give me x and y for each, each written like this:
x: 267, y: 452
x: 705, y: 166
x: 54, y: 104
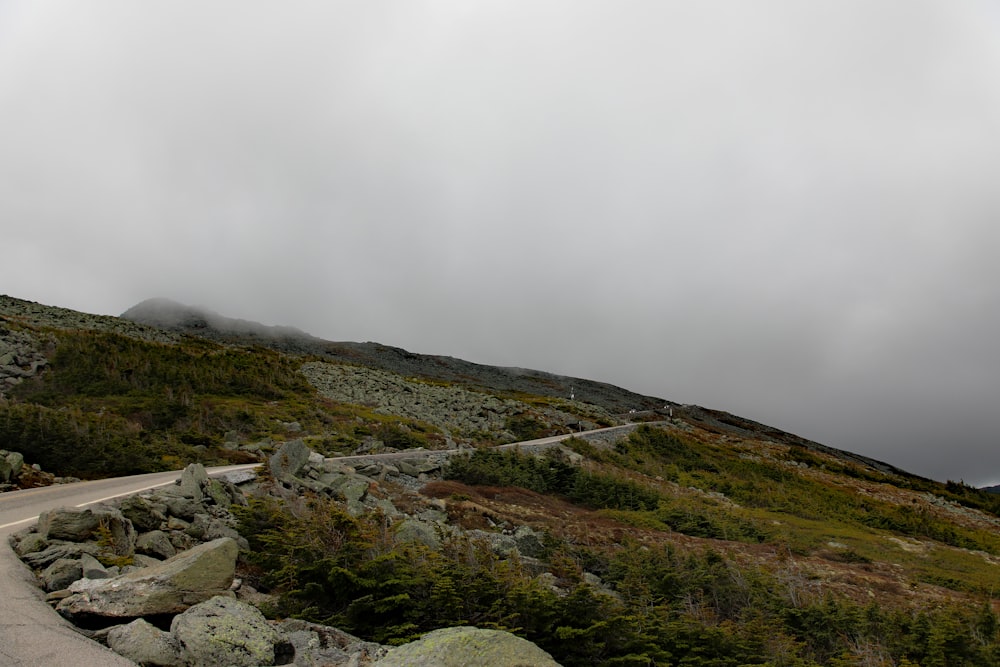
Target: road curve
x: 524, y: 445
x: 31, y: 634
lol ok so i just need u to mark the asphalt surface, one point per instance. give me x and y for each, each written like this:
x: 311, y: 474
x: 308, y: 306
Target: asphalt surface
x: 31, y: 633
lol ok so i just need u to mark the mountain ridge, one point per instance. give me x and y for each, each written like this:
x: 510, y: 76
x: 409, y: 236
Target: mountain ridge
x: 199, y: 321
x: 696, y: 533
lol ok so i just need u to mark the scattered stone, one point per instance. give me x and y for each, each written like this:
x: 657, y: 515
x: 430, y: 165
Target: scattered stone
x: 10, y: 465
x: 240, y: 477
x: 411, y: 530
x: 529, y: 543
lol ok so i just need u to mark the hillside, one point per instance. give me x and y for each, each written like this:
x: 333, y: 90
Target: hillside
x: 699, y: 538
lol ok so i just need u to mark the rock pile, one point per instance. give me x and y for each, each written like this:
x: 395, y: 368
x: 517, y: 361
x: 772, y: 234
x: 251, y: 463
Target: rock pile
x: 449, y: 407
x: 21, y: 312
x: 16, y: 474
x: 20, y: 357
x: 154, y: 575
x: 297, y: 468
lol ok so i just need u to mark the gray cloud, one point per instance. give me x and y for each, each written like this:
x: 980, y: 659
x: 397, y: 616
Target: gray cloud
x: 781, y: 209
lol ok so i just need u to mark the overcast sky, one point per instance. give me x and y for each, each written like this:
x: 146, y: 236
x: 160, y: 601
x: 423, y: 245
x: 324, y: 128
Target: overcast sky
x: 787, y: 210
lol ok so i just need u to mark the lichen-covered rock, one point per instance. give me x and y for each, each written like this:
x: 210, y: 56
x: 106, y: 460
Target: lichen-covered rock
x: 459, y: 647
x: 169, y: 587
x: 145, y: 644
x: 182, y: 508
x: 225, y: 631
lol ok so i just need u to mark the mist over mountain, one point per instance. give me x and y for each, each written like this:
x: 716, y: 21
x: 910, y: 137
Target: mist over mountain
x: 460, y: 493
x: 199, y: 321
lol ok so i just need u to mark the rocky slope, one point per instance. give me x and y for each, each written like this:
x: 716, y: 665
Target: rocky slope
x: 175, y: 317
x: 705, y: 538
x: 154, y: 576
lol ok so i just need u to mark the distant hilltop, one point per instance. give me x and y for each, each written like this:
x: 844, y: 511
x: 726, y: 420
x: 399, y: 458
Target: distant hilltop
x: 174, y: 316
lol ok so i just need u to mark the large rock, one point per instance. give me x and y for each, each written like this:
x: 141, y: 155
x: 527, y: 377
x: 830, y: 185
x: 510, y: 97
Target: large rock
x: 145, y: 644
x: 145, y: 513
x: 91, y: 568
x: 289, y: 460
x: 411, y: 530
x: 10, y: 465
x: 225, y: 631
x: 102, y: 525
x: 30, y: 543
x: 191, y: 482
x: 52, y: 553
x: 169, y: 587
x: 61, y: 574
x: 458, y: 647
x: 155, y: 543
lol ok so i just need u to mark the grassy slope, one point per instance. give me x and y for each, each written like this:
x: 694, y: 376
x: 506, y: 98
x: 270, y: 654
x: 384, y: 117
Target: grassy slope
x: 774, y: 529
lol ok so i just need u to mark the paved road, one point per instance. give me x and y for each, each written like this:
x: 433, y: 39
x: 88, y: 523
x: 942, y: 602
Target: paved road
x: 31, y: 634
x: 524, y: 445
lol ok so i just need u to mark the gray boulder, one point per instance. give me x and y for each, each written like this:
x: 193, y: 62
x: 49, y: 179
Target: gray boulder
x: 168, y: 587
x: 145, y: 644
x: 102, y: 524
x: 52, y: 553
x: 182, y: 508
x: 155, y: 543
x: 60, y: 574
x: 286, y: 463
x: 10, y: 465
x: 458, y: 647
x: 411, y: 530
x: 145, y: 513
x: 31, y: 543
x: 502, y: 545
x: 225, y: 631
x: 191, y: 482
x: 92, y: 568
x: 529, y: 543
